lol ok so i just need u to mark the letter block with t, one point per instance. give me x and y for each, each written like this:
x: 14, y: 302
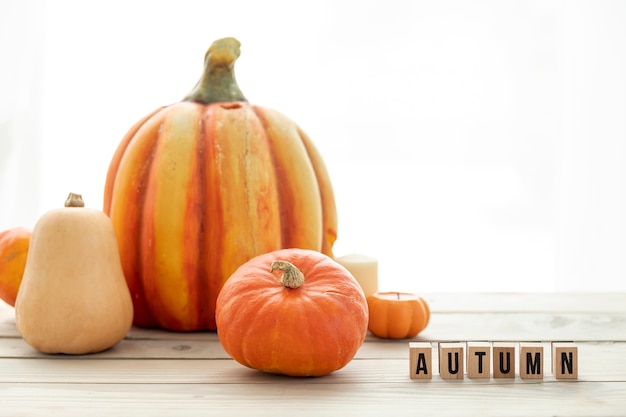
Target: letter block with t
x: 451, y: 360
x: 479, y: 360
x: 531, y: 360
x: 421, y: 360
x: 564, y: 360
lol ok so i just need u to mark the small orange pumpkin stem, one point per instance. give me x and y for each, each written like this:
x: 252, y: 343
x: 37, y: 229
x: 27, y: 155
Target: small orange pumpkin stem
x: 291, y: 277
x: 74, y: 200
x: 218, y: 83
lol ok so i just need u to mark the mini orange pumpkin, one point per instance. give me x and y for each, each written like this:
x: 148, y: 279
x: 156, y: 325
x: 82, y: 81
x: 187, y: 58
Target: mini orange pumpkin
x: 14, y: 245
x: 309, y: 322
x: 396, y: 315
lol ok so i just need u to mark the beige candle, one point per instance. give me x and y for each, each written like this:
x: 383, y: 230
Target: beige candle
x: 364, y: 269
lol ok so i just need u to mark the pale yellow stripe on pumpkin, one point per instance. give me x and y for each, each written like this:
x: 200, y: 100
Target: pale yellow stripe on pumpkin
x: 329, y: 209
x: 230, y: 152
x: 172, y: 172
x: 298, y: 186
x: 248, y: 194
x: 262, y: 199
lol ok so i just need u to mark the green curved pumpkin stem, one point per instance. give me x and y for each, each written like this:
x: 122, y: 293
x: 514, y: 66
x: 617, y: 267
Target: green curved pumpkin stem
x: 291, y: 277
x: 218, y: 83
x: 74, y: 200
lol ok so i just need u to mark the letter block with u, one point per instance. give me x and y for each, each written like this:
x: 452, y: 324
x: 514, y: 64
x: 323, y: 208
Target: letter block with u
x: 503, y: 355
x: 451, y: 359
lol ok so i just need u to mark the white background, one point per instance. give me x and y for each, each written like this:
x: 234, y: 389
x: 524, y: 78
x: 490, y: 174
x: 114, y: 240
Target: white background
x: 473, y: 145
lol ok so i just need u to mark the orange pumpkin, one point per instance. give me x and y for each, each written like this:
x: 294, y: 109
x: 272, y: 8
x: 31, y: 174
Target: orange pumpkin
x: 310, y: 321
x: 396, y: 315
x: 14, y: 245
x: 197, y: 188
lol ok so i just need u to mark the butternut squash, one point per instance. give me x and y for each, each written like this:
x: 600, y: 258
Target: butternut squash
x: 73, y: 297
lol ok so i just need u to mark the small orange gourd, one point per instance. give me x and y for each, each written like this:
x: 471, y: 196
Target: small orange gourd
x: 396, y: 315
x: 310, y: 321
x: 13, y: 250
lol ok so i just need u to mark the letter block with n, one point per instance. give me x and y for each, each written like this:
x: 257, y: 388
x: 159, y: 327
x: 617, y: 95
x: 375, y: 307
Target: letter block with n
x: 421, y: 360
x: 564, y: 360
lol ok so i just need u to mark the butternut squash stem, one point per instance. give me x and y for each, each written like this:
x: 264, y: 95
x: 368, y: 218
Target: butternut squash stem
x: 218, y: 83
x: 291, y: 277
x: 74, y: 200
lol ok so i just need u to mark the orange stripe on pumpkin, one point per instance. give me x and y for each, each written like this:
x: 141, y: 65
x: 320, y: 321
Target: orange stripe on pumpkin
x: 126, y: 202
x: 210, y: 267
x: 117, y: 158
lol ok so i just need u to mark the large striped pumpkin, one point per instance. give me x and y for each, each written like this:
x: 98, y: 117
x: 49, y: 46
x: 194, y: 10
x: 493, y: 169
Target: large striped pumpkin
x: 197, y: 188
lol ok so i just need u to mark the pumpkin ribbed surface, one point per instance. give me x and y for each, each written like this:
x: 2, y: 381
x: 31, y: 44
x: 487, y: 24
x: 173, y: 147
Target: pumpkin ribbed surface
x: 310, y: 330
x: 397, y: 315
x: 196, y: 190
x: 14, y: 244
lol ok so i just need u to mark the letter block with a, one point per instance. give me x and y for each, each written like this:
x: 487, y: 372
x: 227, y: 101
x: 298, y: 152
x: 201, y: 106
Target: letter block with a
x: 421, y: 360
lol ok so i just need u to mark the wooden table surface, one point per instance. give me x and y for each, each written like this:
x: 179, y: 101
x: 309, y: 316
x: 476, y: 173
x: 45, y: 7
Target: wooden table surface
x: 159, y: 373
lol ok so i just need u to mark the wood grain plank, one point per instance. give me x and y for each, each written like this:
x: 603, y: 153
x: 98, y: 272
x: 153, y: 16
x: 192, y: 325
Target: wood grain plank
x: 459, y: 327
x: 540, y: 302
x: 128, y: 349
x: 526, y: 327
x: 184, y: 374
x: 490, y: 316
x: 597, y: 362
x: 184, y: 349
x: 519, y: 302
x: 142, y: 343
x: 307, y: 399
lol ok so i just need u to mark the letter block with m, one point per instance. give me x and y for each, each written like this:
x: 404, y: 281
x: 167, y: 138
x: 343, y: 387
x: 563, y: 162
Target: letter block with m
x: 531, y: 360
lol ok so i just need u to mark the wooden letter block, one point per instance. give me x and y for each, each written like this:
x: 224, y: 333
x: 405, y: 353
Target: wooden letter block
x: 478, y: 360
x: 503, y: 360
x: 564, y: 360
x: 451, y: 360
x: 421, y: 360
x: 531, y: 360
